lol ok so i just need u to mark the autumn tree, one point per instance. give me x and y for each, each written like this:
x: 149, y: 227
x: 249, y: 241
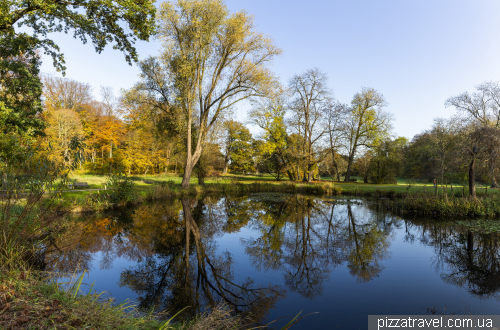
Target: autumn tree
x: 211, y: 60
x: 102, y: 22
x: 64, y: 125
x: 366, y: 123
x: 310, y: 95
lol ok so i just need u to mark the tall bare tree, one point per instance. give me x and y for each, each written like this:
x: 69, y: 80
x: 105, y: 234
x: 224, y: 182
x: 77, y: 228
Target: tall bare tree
x: 310, y: 95
x: 482, y: 106
x: 65, y: 93
x: 443, y: 138
x: 480, y: 111
x: 335, y: 114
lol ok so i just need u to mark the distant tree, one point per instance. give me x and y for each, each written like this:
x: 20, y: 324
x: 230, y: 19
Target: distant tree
x: 481, y: 106
x: 101, y: 21
x: 366, y: 124
x: 387, y: 160
x: 65, y: 93
x: 239, y: 153
x: 64, y: 125
x: 480, y: 111
x: 362, y: 165
x: 310, y: 95
x: 233, y: 131
x: 442, y: 144
x: 273, y: 152
x: 334, y: 165
x: 335, y: 114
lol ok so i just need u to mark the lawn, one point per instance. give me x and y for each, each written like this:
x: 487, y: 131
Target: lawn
x: 403, y: 185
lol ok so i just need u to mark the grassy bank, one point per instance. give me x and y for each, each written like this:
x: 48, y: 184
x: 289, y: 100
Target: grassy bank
x: 487, y: 206
x: 31, y: 300
x: 147, y: 188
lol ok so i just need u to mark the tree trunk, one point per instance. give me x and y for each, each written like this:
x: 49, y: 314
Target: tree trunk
x: 191, y: 162
x: 348, y: 172
x: 187, y: 174
x: 310, y: 175
x: 226, y: 164
x: 349, y: 164
x: 472, y: 178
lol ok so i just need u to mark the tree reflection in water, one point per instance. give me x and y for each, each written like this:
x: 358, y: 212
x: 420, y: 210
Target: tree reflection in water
x: 463, y: 258
x: 178, y: 262
x: 307, y: 238
x: 190, y: 272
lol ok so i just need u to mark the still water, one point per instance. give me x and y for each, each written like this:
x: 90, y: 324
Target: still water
x: 276, y: 255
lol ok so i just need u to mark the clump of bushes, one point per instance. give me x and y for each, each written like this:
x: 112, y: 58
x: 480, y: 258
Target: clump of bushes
x: 118, y: 191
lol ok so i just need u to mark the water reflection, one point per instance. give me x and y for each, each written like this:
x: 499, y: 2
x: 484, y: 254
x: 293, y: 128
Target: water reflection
x: 177, y: 258
x: 465, y: 259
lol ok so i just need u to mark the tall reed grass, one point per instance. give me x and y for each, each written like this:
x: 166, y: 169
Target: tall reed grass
x: 27, y: 217
x: 444, y: 206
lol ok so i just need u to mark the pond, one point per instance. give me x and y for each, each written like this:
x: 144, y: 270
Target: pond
x: 275, y: 255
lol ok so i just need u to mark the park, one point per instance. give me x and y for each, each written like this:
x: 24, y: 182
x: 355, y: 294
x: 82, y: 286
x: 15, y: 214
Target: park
x: 222, y: 186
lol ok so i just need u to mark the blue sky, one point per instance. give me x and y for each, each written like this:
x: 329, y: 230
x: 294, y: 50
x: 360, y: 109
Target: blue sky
x: 416, y: 53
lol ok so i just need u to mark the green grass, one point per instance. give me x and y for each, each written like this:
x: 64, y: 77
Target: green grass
x: 233, y: 183
x: 33, y: 300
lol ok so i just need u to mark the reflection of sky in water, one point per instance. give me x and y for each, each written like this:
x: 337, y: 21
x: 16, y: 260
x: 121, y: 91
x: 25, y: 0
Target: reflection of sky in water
x: 408, y: 280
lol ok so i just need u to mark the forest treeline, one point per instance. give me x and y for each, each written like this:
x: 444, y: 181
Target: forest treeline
x: 178, y: 117
x: 298, y: 140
